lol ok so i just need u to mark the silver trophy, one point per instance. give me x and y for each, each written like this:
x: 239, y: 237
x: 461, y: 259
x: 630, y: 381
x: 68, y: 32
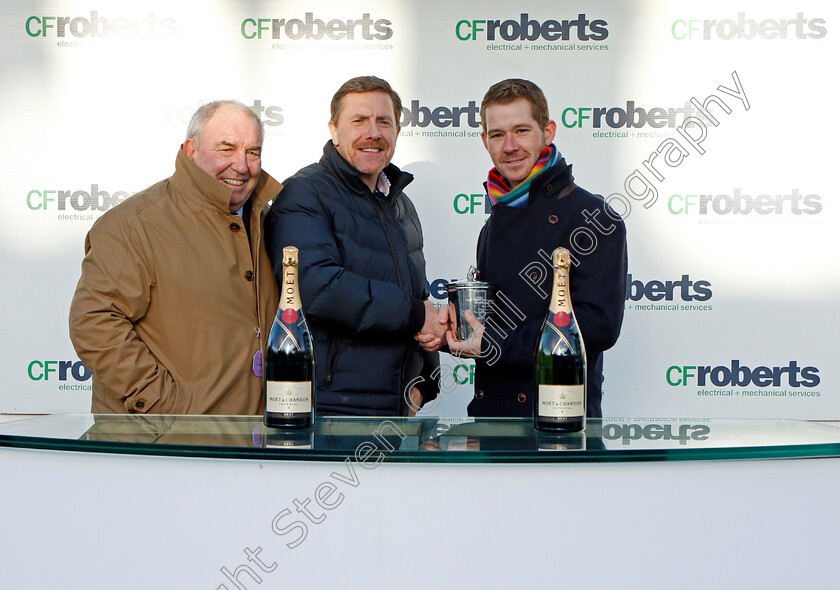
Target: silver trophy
x: 473, y: 295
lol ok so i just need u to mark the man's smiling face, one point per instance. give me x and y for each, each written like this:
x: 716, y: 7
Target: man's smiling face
x: 229, y: 148
x: 366, y: 133
x: 514, y: 138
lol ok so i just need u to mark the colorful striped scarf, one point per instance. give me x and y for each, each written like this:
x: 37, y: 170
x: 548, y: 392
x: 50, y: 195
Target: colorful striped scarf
x: 500, y: 191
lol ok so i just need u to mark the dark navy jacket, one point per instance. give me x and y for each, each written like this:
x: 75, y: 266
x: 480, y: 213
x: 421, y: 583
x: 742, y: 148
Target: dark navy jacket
x: 363, y: 280
x: 509, y: 258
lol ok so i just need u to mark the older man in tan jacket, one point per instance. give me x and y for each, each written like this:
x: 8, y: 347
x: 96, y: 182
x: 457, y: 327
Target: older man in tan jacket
x: 177, y: 293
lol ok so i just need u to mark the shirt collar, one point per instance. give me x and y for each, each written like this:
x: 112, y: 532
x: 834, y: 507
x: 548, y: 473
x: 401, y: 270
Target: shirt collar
x: 383, y: 185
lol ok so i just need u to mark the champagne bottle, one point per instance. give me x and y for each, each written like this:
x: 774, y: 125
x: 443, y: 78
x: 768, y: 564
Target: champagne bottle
x: 289, y: 357
x: 560, y: 363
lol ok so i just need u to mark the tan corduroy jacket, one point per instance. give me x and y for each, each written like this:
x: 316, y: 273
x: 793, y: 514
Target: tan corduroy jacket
x: 173, y: 306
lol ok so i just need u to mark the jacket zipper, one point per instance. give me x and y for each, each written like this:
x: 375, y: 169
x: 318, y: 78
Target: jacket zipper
x: 388, y: 237
x: 332, y: 356
x: 407, y: 353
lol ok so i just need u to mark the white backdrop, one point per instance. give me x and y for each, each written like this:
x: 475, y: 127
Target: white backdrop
x: 731, y: 226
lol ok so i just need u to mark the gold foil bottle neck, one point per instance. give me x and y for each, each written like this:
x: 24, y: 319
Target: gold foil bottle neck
x: 560, y: 295
x: 561, y: 259
x: 290, y: 256
x: 289, y: 293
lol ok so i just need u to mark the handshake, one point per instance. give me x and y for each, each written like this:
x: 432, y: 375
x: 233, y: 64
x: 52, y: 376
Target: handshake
x: 439, y: 330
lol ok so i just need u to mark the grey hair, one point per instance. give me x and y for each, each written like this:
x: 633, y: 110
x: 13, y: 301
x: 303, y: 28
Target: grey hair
x: 206, y: 111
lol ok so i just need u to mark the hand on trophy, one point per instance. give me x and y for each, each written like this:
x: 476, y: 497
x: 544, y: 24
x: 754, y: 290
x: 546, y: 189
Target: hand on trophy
x: 471, y: 347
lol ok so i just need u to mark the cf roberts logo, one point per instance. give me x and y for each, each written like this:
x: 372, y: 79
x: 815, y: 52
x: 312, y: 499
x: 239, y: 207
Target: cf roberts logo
x: 468, y: 203
x: 314, y: 29
x: 684, y: 289
x: 743, y: 28
x: 80, y: 200
x: 417, y: 115
x: 629, y: 116
x: 736, y: 374
x: 94, y: 26
x: 528, y: 29
x: 631, y: 432
x: 271, y: 116
x: 668, y: 295
x: 437, y: 288
x: 60, y: 371
x: 464, y: 374
x: 741, y: 203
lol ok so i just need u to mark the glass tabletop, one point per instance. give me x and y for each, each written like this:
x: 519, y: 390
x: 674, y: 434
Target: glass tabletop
x: 424, y: 439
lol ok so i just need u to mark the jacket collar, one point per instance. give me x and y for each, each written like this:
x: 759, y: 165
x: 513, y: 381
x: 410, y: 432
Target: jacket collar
x: 559, y: 176
x: 199, y: 187
x: 350, y: 177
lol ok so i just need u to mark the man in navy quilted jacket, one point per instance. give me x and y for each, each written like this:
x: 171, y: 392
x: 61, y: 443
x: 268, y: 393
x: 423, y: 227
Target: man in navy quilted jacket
x: 362, y: 271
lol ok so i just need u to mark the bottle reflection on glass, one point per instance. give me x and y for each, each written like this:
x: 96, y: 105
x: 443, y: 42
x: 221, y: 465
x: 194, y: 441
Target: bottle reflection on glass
x: 289, y: 357
x: 560, y: 360
x: 569, y: 441
x: 289, y: 439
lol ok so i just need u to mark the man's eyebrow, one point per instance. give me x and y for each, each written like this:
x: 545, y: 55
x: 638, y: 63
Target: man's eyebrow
x: 233, y: 145
x: 513, y: 127
x: 367, y: 115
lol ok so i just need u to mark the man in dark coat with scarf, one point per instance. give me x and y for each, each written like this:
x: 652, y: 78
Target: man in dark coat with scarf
x: 537, y: 207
